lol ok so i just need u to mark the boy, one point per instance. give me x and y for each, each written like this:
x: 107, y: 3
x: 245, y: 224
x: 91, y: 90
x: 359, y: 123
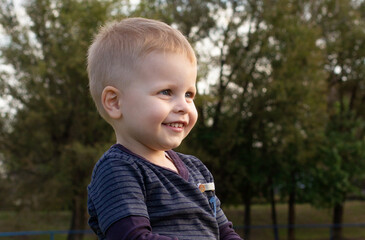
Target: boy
x: 142, y: 78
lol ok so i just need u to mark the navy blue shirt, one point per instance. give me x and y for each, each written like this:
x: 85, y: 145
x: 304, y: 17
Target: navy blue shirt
x: 124, y: 184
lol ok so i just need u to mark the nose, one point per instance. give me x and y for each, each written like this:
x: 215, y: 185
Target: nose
x: 181, y: 105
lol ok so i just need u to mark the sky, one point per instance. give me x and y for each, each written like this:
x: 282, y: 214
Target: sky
x: 205, y: 48
x: 4, y: 101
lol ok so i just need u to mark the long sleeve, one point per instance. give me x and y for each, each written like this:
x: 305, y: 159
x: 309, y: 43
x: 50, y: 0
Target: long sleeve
x: 226, y: 232
x: 133, y: 228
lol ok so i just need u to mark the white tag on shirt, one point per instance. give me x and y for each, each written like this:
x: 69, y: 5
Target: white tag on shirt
x: 203, y: 187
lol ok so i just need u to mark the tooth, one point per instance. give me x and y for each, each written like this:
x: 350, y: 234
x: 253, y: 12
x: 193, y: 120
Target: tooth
x: 176, y: 125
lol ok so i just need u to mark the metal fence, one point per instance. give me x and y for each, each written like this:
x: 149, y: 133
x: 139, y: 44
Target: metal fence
x: 330, y: 227
x: 51, y: 234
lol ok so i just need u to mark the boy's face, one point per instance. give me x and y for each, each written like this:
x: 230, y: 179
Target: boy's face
x: 157, y: 104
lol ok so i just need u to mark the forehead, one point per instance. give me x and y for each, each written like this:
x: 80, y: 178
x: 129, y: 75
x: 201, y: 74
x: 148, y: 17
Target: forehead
x: 163, y: 57
x: 169, y: 62
x: 165, y: 67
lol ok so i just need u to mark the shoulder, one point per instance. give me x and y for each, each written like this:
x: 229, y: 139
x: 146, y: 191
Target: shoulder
x: 114, y: 162
x: 113, y: 156
x: 195, y: 165
x: 191, y: 160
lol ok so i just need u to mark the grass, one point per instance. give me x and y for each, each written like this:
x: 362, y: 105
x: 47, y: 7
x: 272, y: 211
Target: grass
x: 14, y: 221
x: 305, y: 214
x: 11, y: 221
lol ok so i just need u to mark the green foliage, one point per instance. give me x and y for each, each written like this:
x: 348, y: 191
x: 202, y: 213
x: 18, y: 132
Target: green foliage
x: 54, y: 110
x: 284, y: 112
x: 340, y: 162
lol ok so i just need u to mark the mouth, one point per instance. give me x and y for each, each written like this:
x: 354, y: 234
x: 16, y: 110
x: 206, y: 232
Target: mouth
x: 175, y: 125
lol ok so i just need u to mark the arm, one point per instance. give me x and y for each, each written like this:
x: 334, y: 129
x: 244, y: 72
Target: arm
x: 117, y: 202
x: 133, y: 228
x: 226, y: 232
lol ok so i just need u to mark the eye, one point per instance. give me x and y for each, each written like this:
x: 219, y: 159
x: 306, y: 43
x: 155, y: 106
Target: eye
x: 190, y: 95
x: 166, y: 92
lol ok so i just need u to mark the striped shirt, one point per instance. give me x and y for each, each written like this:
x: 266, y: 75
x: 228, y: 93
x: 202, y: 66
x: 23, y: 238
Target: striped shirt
x: 124, y: 184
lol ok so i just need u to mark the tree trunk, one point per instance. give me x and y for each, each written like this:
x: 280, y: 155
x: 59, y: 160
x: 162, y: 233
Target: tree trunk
x: 247, y: 218
x: 337, y: 221
x: 291, y: 214
x: 273, y: 212
x: 78, y: 220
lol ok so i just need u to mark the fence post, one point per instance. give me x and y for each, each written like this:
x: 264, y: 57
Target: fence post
x: 331, y: 231
x: 51, y: 236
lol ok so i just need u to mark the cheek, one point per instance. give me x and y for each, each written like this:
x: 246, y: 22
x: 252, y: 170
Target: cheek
x: 193, y: 116
x: 157, y: 113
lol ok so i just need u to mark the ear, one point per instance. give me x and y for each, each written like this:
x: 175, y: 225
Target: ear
x: 110, y: 98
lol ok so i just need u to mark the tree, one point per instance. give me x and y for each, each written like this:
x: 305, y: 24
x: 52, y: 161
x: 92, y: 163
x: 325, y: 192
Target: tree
x: 56, y: 128
x: 295, y: 116
x: 260, y: 123
x: 264, y: 115
x: 55, y: 136
x: 342, y: 24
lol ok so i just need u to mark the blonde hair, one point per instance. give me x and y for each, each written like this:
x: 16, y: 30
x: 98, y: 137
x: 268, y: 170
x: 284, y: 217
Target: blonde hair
x: 118, y: 46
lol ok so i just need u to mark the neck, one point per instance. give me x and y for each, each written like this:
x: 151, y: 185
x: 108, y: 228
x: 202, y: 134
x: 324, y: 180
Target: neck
x: 150, y: 155
x: 156, y: 157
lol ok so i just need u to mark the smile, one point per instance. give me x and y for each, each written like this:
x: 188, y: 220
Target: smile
x: 175, y: 125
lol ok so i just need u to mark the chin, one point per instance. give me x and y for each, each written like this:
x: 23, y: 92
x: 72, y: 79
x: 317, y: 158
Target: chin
x: 174, y: 145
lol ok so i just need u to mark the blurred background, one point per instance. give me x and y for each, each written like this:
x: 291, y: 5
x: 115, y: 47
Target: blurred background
x: 281, y: 117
